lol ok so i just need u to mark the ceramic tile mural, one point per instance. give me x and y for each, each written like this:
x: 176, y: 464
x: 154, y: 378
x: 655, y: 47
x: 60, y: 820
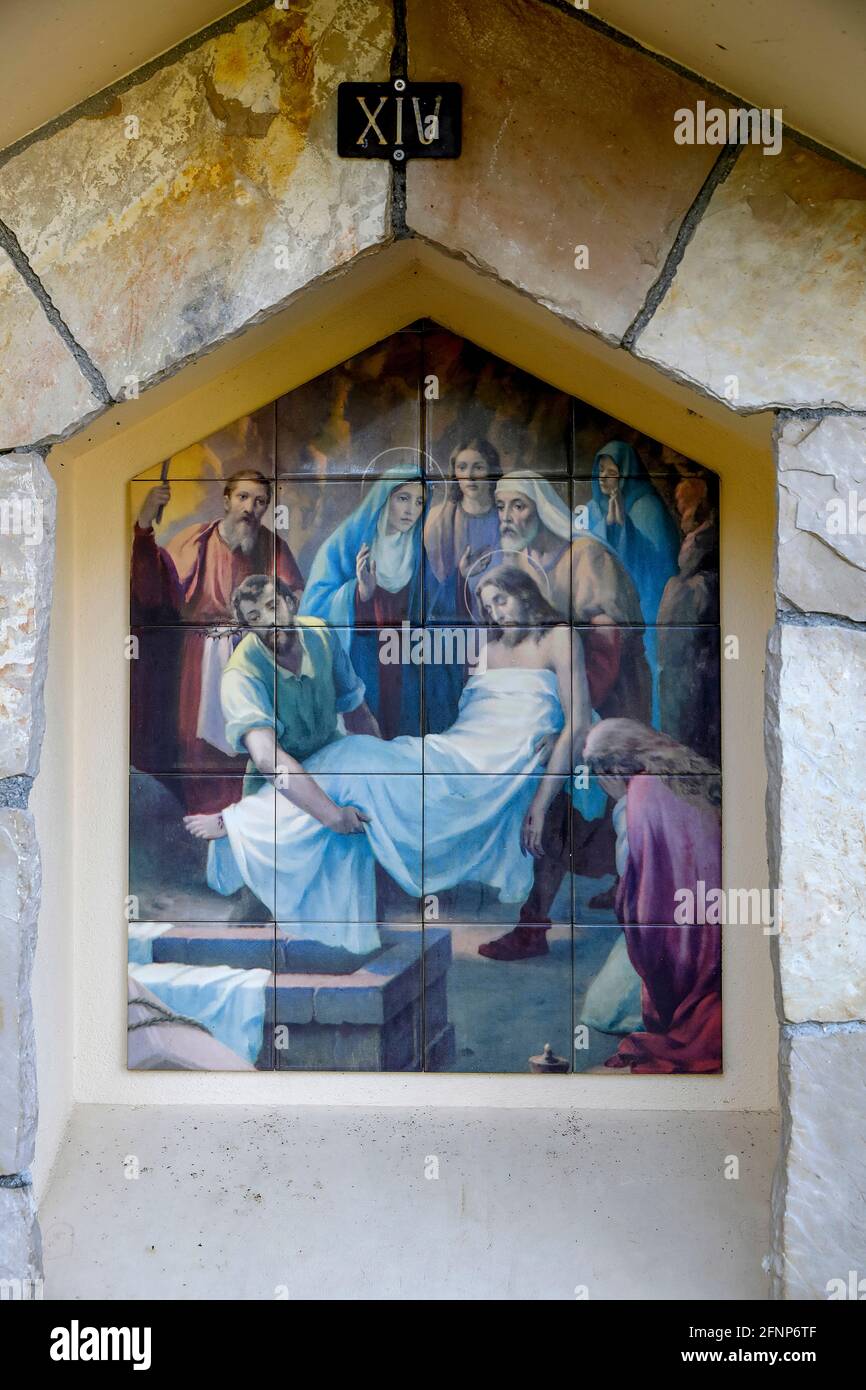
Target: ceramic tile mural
x: 425, y: 738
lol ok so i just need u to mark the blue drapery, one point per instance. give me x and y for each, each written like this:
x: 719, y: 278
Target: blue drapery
x: 332, y: 585
x: 647, y: 541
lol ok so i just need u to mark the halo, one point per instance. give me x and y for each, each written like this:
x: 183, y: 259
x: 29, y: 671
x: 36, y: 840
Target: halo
x: 400, y: 449
x: 486, y: 558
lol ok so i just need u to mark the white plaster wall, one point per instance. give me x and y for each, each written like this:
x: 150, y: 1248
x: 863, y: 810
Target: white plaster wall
x: 95, y: 611
x: 52, y: 803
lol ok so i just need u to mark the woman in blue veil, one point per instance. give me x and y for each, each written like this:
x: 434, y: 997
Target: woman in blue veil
x: 368, y: 574
x: 628, y: 514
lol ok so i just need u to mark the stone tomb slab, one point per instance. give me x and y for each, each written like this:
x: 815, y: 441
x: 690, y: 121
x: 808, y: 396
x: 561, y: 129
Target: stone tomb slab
x: 245, y: 948
x: 371, y: 1019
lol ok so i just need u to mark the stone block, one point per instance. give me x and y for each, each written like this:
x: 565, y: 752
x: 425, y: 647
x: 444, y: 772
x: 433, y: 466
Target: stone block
x: 296, y: 956
x: 435, y: 1007
x: 568, y: 141
x: 441, y: 1050
x: 204, y: 196
x: 380, y: 989
x: 769, y: 298
x: 364, y: 1002
x: 351, y: 1047
x: 20, y: 881
x: 437, y: 953
x: 370, y: 1020
x: 20, y: 1244
x: 822, y: 515
x: 819, y: 1196
x: 816, y: 736
x: 401, y: 1040
x: 27, y: 521
x: 43, y: 393
x: 244, y: 948
x: 290, y: 1001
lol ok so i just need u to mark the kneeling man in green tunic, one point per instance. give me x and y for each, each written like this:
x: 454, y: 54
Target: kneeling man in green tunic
x: 281, y: 692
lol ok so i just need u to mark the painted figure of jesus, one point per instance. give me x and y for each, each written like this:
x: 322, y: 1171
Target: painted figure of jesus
x: 308, y: 849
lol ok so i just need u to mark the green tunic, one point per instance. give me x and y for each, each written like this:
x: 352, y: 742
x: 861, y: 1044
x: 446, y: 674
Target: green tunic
x: 257, y: 693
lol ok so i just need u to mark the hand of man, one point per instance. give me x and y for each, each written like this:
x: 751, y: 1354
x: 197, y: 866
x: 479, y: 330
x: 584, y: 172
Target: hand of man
x: 531, y: 832
x: 349, y: 821
x: 476, y: 563
x: 545, y: 747
x: 157, y: 497
x: 362, y: 721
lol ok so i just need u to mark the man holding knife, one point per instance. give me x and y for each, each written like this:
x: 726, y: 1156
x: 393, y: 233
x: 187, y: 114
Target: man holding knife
x: 191, y: 580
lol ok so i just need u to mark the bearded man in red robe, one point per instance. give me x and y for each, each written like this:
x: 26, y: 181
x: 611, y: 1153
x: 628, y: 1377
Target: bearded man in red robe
x: 190, y: 581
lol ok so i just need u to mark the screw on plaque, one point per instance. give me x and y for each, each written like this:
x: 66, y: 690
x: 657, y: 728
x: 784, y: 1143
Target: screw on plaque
x: 399, y: 155
x: 400, y: 84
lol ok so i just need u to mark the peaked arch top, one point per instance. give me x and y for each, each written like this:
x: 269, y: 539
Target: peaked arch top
x: 403, y: 405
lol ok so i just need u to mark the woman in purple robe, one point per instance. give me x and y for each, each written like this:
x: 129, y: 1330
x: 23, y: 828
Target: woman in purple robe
x: 672, y: 852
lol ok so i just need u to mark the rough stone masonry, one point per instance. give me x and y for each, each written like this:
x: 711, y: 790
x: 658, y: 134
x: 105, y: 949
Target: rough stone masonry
x: 26, y: 571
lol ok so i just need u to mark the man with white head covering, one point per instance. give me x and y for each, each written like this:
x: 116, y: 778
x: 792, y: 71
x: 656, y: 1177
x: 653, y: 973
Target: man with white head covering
x: 535, y: 527
x: 588, y: 585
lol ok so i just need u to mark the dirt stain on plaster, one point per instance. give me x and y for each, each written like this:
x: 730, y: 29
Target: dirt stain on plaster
x: 260, y: 87
x: 232, y: 162
x: 254, y: 147
x: 237, y: 119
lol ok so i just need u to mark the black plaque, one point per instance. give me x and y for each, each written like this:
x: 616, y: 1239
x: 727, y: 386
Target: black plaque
x: 398, y: 120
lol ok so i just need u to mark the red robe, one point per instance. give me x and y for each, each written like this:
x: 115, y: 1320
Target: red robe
x: 385, y: 609
x: 672, y: 845
x: 602, y: 655
x: 191, y: 580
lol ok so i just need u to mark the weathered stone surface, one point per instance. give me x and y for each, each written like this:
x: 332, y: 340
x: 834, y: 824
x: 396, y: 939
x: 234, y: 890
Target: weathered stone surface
x: 19, y: 906
x: 20, y: 1243
x: 42, y: 391
x: 207, y: 194
x: 819, y: 1195
x: 15, y: 791
x: 822, y: 515
x: 770, y: 296
x: 567, y: 141
x: 27, y: 520
x: 816, y: 739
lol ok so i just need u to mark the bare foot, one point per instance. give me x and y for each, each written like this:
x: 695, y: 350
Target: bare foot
x: 203, y: 827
